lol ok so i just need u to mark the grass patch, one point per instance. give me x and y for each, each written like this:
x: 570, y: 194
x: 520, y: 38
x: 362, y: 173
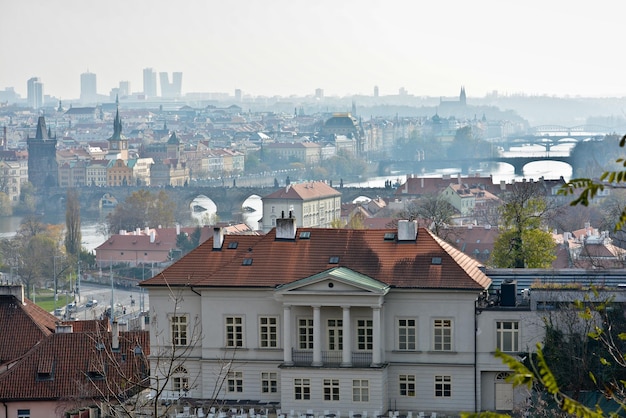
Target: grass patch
x: 45, y: 299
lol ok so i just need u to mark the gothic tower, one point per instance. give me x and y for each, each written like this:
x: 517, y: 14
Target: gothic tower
x: 118, y: 143
x: 43, y: 170
x: 462, y: 97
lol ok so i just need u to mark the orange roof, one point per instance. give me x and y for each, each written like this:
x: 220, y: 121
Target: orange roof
x: 427, y: 262
x: 304, y: 191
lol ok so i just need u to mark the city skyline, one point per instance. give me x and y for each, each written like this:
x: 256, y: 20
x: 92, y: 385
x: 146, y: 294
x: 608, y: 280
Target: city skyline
x: 293, y: 48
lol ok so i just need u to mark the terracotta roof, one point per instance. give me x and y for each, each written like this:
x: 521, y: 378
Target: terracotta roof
x: 428, y: 262
x: 67, y: 366
x: 304, y: 191
x: 22, y: 325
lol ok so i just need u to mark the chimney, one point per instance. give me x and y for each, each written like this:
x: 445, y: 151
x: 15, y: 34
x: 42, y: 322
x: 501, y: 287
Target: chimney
x: 152, y: 237
x: 138, y: 231
x: 407, y: 230
x: 286, y: 228
x: 147, y: 231
x: 115, y: 336
x: 218, y: 238
x: 122, y: 232
x: 64, y: 328
x: 16, y: 290
x: 177, y: 229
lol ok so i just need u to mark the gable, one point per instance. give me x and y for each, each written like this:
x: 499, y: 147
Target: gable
x: 333, y: 281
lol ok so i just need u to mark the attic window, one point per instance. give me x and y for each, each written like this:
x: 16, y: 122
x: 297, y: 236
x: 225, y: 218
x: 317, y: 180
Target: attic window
x: 247, y: 262
x: 390, y: 236
x: 45, y: 370
x: 305, y: 234
x: 233, y: 245
x: 435, y: 260
x: 333, y: 260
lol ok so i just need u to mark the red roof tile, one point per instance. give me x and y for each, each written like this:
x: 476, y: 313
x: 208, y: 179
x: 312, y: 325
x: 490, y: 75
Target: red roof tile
x: 274, y: 261
x: 304, y: 191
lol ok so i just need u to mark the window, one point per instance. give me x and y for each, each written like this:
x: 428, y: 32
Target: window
x: 269, y: 382
x: 507, y: 334
x: 179, y: 330
x: 406, y: 334
x: 360, y: 390
x: 180, y: 379
x: 442, y: 335
x: 235, y: 382
x: 335, y: 334
x: 23, y: 413
x: 443, y: 386
x: 305, y: 334
x: 407, y: 385
x: 268, y: 332
x: 364, y: 333
x: 302, y: 389
x: 234, y: 331
x: 331, y: 389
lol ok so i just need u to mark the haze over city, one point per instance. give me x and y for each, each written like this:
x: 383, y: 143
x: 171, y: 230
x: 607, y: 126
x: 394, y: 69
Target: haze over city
x: 293, y: 47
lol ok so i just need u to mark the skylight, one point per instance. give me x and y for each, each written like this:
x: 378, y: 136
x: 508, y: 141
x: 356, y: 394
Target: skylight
x: 390, y: 236
x: 333, y: 260
x: 233, y: 245
x: 436, y: 260
x: 247, y: 262
x: 305, y: 234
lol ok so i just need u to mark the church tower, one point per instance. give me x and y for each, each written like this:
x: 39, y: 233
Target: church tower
x: 462, y: 97
x: 43, y: 170
x: 118, y: 143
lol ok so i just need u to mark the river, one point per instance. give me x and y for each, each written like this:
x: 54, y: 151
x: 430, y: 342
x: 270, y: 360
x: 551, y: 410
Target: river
x: 204, y: 209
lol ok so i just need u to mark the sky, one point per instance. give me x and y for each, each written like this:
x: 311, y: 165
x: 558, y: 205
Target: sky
x: 291, y: 47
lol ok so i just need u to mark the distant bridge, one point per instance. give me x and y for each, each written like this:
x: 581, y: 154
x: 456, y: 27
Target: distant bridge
x: 518, y: 163
x: 229, y: 200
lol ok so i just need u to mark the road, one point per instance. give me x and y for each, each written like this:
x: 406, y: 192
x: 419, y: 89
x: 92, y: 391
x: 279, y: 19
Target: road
x: 129, y: 302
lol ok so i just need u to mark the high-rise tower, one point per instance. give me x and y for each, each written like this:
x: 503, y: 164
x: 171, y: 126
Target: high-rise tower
x: 149, y: 83
x: 35, y: 93
x: 88, y: 88
x: 43, y: 170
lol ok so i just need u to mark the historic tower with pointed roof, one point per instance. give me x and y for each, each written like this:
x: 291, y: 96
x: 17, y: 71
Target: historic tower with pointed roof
x: 43, y: 170
x: 118, y: 143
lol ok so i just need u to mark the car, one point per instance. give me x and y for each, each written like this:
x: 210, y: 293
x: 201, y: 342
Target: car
x: 91, y: 303
x: 71, y: 307
x: 58, y: 312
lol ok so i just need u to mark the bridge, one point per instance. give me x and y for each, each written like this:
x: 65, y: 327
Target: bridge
x: 550, y: 135
x: 518, y: 163
x: 229, y: 200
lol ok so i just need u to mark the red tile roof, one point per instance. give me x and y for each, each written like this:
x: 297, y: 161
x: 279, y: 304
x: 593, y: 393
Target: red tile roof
x: 60, y: 366
x: 304, y: 191
x: 22, y: 325
x: 277, y: 261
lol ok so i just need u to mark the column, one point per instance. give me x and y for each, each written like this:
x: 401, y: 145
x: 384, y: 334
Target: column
x: 346, y: 354
x: 287, y: 335
x: 376, y: 336
x: 317, y: 336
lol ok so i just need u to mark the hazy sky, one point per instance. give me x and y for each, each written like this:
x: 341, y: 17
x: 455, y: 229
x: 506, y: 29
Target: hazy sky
x: 284, y: 47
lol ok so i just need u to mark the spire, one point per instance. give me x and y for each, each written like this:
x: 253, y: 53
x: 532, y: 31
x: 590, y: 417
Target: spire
x: 117, y: 123
x: 42, y: 132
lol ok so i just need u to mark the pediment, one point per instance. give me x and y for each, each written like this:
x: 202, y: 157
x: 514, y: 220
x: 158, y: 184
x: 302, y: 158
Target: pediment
x: 335, y: 280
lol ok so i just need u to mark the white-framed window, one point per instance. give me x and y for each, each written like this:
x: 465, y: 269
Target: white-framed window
x: 360, y: 390
x: 305, y: 334
x: 507, y: 336
x: 406, y: 334
x: 268, y: 332
x: 335, y: 334
x: 364, y: 334
x: 407, y: 384
x: 180, y: 379
x: 269, y: 382
x: 443, y: 386
x: 234, y: 331
x: 302, y: 389
x: 23, y: 413
x: 235, y: 382
x: 331, y: 389
x: 442, y: 335
x: 179, y: 330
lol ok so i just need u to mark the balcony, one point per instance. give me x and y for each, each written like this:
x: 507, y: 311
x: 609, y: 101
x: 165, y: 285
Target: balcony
x: 304, y: 358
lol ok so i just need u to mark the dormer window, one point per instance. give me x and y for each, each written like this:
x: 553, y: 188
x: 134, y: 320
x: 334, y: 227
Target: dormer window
x: 45, y: 370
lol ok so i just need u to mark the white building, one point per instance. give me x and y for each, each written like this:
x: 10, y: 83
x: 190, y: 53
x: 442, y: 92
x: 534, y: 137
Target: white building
x: 334, y: 320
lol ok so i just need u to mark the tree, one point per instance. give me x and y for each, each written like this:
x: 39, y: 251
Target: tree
x: 522, y: 242
x: 186, y: 243
x: 433, y: 212
x: 142, y: 209
x: 73, y: 235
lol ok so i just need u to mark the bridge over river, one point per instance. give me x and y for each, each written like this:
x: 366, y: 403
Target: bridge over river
x: 229, y: 200
x: 518, y: 163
